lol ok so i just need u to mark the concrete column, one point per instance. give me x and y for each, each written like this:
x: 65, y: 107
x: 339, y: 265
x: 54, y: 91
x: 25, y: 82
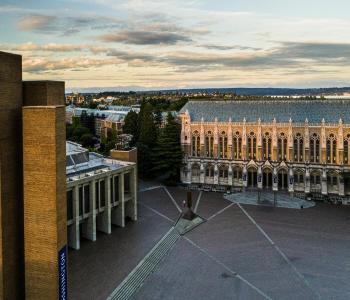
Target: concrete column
x: 104, y: 218
x: 324, y: 183
x: 131, y: 205
x: 89, y: 225
x: 118, y: 213
x: 291, y: 181
x: 259, y: 178
x: 74, y: 230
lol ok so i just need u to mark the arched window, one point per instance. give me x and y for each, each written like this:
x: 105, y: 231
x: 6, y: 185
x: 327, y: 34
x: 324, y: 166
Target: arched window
x: 298, y: 148
x: 346, y: 158
x: 331, y: 149
x: 223, y: 172
x: 315, y: 178
x: 196, y: 170
x: 237, y: 173
x: 266, y: 147
x: 209, y: 144
x: 237, y: 146
x: 209, y: 171
x: 196, y: 145
x: 299, y: 177
x: 282, y: 147
x: 223, y: 145
x: 315, y: 148
x: 251, y: 146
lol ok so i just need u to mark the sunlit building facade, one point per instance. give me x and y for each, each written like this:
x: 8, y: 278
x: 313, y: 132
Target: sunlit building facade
x: 298, y: 146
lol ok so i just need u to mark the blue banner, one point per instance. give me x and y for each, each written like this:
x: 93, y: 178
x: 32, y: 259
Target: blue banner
x: 62, y: 274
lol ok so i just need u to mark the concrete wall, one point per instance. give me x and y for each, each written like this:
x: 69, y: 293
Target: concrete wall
x: 130, y: 155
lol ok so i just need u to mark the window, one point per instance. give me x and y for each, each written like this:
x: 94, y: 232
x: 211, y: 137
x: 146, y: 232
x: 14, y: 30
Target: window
x: 195, y: 170
x: 102, y: 193
x: 266, y: 147
x: 97, y: 195
x: 116, y: 188
x: 251, y: 146
x: 223, y: 145
x: 223, y: 172
x: 209, y: 144
x: 346, y: 150
x: 209, y: 171
x: 315, y: 148
x: 237, y: 146
x: 298, y: 147
x: 282, y: 147
x: 127, y: 183
x: 196, y: 144
x: 331, y: 149
x: 86, y: 191
x: 81, y: 197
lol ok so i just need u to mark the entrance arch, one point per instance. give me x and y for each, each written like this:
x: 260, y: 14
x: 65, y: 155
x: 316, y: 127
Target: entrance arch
x: 267, y: 178
x: 252, y: 177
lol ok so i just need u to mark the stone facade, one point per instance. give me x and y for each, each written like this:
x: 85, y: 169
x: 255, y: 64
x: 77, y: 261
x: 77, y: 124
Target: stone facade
x: 297, y: 157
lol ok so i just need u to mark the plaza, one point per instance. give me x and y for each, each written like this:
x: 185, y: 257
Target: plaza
x: 240, y: 251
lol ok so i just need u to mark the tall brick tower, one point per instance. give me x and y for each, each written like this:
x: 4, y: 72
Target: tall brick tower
x: 32, y: 186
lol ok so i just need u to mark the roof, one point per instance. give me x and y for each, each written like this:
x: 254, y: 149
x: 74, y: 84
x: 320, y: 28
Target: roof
x: 283, y: 110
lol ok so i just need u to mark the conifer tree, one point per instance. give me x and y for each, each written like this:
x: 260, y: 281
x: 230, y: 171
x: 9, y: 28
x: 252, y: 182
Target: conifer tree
x: 131, y: 126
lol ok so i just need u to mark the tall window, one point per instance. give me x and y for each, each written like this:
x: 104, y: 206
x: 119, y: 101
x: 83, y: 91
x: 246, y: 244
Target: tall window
x: 223, y: 145
x: 209, y: 144
x: 237, y: 173
x: 282, y: 147
x: 298, y: 147
x: 223, y: 172
x: 69, y: 205
x: 315, y: 148
x: 315, y: 178
x: 251, y: 146
x: 195, y: 170
x: 266, y: 146
x: 331, y: 149
x: 237, y: 146
x: 196, y: 146
x: 346, y: 149
x: 209, y: 171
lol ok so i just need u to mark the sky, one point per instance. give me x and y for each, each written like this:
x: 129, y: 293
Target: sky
x: 167, y: 44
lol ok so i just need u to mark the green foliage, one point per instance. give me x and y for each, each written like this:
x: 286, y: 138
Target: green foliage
x: 167, y: 153
x: 87, y: 140
x: 108, y: 142
x: 147, y: 128
x: 131, y: 126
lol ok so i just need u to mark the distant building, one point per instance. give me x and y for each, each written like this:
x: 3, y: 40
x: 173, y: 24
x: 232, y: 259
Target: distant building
x: 100, y: 192
x: 297, y: 146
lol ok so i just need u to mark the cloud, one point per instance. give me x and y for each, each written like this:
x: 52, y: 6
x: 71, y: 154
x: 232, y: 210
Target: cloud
x: 224, y: 48
x: 36, y: 22
x: 145, y: 37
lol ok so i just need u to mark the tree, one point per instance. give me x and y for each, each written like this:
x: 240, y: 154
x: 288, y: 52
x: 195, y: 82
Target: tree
x: 131, y: 126
x: 167, y: 154
x: 87, y: 140
x: 158, y: 118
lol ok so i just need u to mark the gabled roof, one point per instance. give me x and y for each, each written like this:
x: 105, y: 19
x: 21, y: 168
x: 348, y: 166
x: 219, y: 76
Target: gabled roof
x: 282, y: 110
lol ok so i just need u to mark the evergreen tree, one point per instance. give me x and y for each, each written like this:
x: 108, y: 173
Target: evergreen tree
x: 131, y: 126
x: 167, y: 154
x: 158, y: 118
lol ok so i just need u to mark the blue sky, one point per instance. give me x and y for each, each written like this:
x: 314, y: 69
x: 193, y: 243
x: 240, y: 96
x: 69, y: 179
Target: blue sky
x: 158, y: 44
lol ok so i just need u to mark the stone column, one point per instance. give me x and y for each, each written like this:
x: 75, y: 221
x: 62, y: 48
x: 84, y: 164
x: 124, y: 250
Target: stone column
x: 324, y: 183
x: 89, y: 225
x: 340, y: 143
x: 202, y: 174
x: 307, y: 181
x: 341, y: 186
x: 259, y: 178
x: 230, y: 175
x: 202, y: 139
x: 216, y: 174
x: 118, y: 213
x: 291, y: 181
x: 259, y: 154
x: 229, y: 141
x: 274, y: 180
x: 245, y: 176
x: 323, y: 143
x: 189, y: 173
x: 274, y: 141
x: 244, y: 140
x: 290, y: 142
x: 216, y: 139
x: 74, y: 230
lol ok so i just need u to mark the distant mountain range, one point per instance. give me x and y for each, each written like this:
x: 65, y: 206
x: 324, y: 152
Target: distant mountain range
x: 239, y: 91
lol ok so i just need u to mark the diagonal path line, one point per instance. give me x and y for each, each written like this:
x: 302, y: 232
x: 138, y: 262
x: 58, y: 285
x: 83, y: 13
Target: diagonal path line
x: 220, y: 211
x: 156, y: 211
x: 172, y: 199
x: 197, y: 203
x: 150, y: 188
x: 228, y: 269
x: 301, y: 276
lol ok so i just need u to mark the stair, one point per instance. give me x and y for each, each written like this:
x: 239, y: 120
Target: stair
x: 136, y: 278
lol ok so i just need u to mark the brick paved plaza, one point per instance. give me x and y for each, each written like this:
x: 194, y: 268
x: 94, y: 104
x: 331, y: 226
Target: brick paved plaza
x: 240, y: 252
